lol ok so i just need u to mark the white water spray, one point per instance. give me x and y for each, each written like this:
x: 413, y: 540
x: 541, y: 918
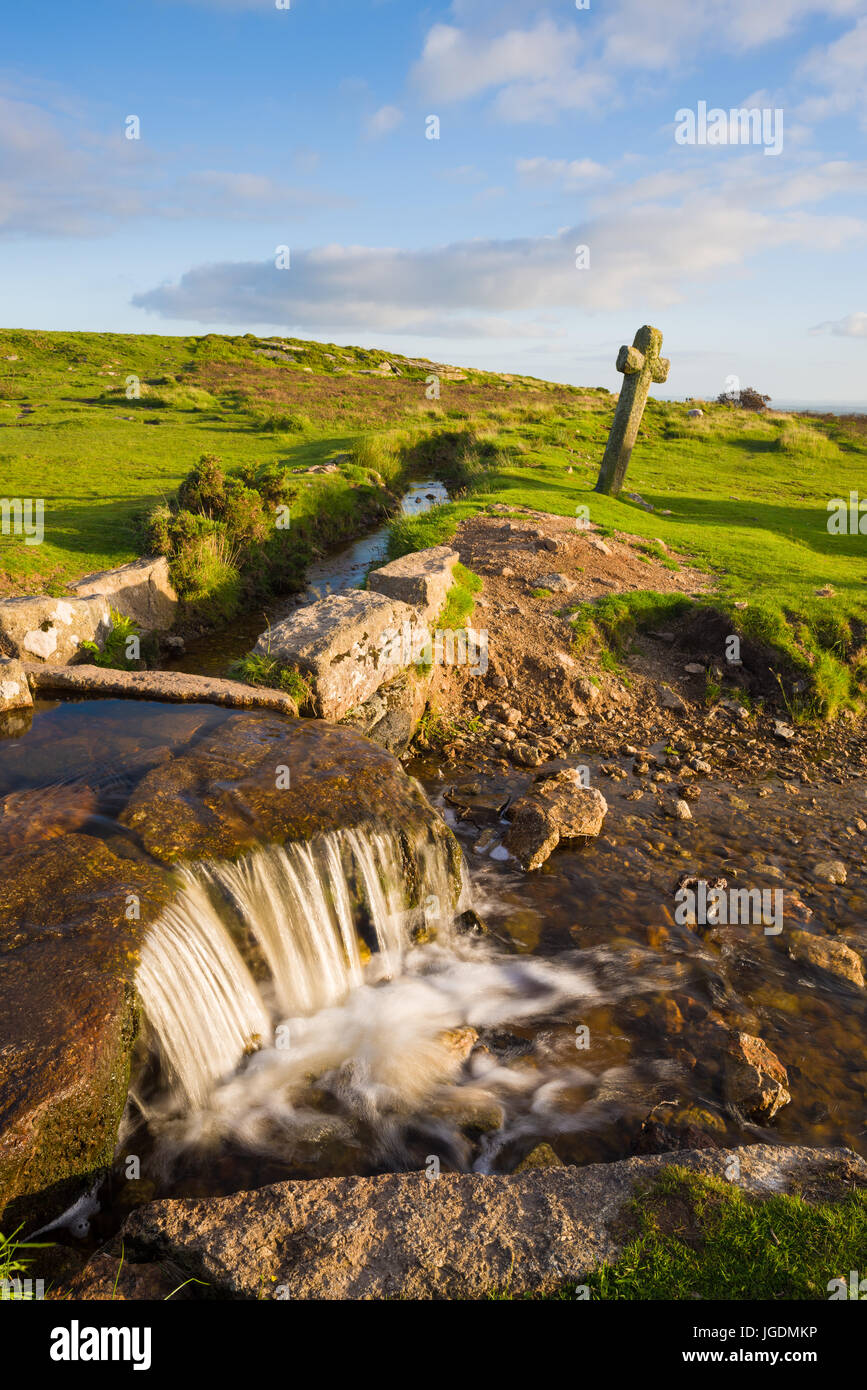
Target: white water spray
x: 372, y: 1030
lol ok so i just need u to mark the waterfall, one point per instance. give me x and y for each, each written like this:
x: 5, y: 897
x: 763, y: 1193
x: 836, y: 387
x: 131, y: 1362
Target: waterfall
x: 305, y: 906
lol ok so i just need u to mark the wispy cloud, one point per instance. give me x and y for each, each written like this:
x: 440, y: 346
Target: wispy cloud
x: 384, y: 121
x: 570, y: 173
x: 61, y: 178
x: 852, y: 326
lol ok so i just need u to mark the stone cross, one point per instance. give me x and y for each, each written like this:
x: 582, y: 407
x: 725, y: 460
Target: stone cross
x: 641, y: 364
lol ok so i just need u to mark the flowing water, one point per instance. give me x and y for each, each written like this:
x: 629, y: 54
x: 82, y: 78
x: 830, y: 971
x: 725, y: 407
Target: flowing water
x: 321, y: 1007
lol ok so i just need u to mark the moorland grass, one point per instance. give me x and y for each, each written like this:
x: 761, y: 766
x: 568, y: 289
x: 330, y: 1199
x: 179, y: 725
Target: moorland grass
x: 743, y: 497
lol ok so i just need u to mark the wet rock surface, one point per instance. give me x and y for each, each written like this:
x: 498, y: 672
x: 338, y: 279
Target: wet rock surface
x: 560, y: 808
x: 68, y: 952
x: 262, y: 779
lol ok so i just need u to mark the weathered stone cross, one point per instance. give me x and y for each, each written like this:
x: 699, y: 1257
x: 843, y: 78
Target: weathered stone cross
x: 641, y: 364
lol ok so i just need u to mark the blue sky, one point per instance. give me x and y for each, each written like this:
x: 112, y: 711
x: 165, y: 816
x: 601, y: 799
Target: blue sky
x: 306, y: 127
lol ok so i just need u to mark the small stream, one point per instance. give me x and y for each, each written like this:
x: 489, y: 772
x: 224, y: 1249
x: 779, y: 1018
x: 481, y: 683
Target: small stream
x: 213, y: 654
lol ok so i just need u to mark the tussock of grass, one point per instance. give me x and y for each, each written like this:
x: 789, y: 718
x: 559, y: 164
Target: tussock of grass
x: 701, y: 1236
x: 266, y: 670
x: 698, y: 1237
x: 460, y: 601
x: 114, y: 650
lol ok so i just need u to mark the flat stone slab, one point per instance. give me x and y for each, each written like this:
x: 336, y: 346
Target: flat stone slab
x: 177, y: 687
x: 141, y: 590
x: 51, y: 629
x: 341, y: 645
x: 421, y: 579
x: 459, y: 1236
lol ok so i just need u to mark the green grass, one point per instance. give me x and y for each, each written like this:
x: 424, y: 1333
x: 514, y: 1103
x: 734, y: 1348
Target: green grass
x: 117, y: 644
x: 460, y: 600
x: 743, y: 497
x: 256, y: 669
x: 705, y: 1237
x: 699, y: 1237
x: 12, y: 1265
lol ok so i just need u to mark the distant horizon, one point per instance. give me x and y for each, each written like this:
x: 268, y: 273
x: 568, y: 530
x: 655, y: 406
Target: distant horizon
x: 828, y: 405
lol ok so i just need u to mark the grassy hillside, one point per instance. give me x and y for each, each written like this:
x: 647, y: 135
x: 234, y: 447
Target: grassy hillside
x: 744, y: 495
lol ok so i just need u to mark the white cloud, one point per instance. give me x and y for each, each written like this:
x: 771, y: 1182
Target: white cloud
x: 643, y: 253
x: 852, y: 326
x: 841, y: 70
x: 532, y: 71
x: 535, y: 68
x: 59, y: 178
x: 384, y: 121
x: 571, y: 173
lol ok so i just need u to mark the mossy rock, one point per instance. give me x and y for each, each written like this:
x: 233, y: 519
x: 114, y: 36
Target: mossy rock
x: 68, y: 1015
x: 230, y: 794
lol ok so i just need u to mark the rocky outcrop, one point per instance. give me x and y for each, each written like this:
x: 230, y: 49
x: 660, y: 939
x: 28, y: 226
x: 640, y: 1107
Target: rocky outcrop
x: 345, y: 646
x: 422, y: 579
x: 141, y: 590
x: 559, y: 808
x: 14, y: 690
x: 459, y: 1236
x: 68, y: 943
x: 176, y: 687
x: 51, y: 629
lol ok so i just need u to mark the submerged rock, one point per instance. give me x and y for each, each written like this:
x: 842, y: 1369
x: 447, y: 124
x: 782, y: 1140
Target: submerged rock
x: 755, y: 1079
x: 834, y: 957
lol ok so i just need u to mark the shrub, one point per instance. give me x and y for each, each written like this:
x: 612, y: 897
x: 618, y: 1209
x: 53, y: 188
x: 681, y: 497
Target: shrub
x: 748, y: 398
x: 204, y: 488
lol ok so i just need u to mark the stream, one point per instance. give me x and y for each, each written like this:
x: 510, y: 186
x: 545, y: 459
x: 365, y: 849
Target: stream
x: 582, y: 1007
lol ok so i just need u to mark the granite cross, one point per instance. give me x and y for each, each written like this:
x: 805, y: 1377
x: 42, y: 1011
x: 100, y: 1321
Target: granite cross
x: 641, y: 364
